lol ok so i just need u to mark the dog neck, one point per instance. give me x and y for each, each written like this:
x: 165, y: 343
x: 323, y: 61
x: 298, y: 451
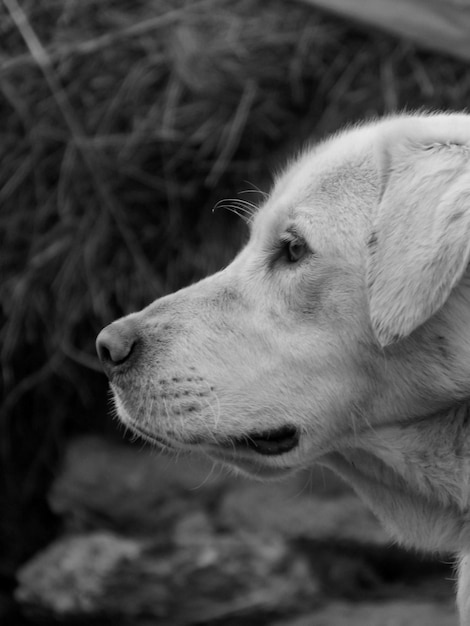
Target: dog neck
x: 415, y: 475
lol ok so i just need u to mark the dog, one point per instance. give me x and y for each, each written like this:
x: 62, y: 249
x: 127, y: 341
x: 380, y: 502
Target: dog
x: 339, y: 335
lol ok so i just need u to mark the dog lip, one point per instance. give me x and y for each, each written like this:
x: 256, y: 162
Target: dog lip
x: 269, y: 443
x: 168, y: 441
x: 145, y: 434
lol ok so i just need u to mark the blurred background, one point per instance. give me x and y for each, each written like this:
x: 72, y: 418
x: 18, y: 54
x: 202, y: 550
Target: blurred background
x: 124, y: 124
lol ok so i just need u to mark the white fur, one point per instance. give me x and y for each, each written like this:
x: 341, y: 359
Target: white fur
x: 363, y: 345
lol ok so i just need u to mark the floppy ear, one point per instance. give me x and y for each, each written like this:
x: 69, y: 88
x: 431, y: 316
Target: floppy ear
x: 420, y: 241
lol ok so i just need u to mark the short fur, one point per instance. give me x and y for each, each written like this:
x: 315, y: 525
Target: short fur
x: 363, y: 343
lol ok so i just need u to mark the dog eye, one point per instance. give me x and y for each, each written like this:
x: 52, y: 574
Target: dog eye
x: 295, y: 250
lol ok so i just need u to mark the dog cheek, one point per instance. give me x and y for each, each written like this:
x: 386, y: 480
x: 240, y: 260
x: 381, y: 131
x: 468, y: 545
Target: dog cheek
x: 304, y: 297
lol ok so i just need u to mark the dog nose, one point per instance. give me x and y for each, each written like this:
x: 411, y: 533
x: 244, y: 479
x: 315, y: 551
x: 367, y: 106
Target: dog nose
x: 115, y: 344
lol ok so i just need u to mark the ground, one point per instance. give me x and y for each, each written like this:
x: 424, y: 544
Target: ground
x: 151, y: 539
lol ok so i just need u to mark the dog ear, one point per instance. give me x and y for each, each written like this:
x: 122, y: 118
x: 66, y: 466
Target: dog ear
x: 420, y: 241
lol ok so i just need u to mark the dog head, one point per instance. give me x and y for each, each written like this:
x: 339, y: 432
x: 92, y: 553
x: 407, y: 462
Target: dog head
x: 339, y: 319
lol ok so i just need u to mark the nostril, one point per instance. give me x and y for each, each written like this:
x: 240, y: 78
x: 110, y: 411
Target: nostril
x: 114, y: 344
x: 103, y: 351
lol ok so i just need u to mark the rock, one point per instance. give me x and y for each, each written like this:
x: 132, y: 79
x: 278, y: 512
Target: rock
x: 202, y: 580
x: 132, y: 489
x: 70, y: 576
x: 391, y: 613
x: 128, y: 489
x: 280, y: 508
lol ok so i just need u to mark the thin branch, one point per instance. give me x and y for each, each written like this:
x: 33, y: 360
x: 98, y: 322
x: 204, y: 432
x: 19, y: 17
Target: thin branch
x: 108, y: 39
x: 41, y: 56
x: 232, y: 138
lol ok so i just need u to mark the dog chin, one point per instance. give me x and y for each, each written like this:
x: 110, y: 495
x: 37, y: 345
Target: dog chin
x: 245, y: 462
x: 250, y: 466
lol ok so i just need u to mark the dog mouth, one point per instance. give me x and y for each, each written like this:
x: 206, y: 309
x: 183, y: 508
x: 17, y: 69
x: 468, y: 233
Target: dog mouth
x: 272, y: 442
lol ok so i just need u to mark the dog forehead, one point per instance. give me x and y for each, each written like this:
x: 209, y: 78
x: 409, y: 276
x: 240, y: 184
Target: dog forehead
x: 329, y: 190
x: 335, y: 170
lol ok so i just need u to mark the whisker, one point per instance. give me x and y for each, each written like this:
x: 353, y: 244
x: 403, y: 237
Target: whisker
x: 255, y: 189
x: 205, y: 480
x: 242, y: 208
x: 250, y: 206
x: 212, y: 431
x: 232, y: 205
x: 215, y: 412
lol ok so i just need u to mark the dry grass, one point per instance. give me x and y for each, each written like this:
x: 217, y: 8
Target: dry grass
x: 123, y: 123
